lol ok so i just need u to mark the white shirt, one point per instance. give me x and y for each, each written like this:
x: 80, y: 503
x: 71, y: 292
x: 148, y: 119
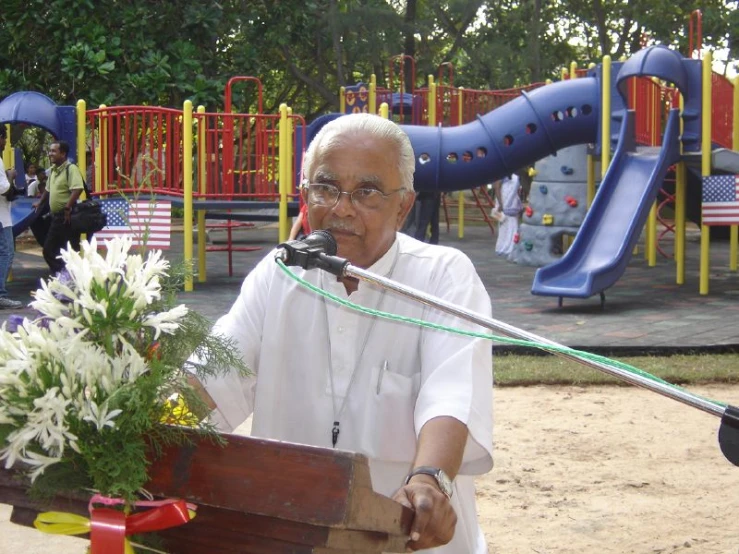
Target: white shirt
x: 397, y: 375
x: 509, y: 192
x: 32, y: 188
x: 6, y: 219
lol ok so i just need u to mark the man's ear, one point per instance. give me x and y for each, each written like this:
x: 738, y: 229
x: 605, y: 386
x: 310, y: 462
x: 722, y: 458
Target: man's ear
x: 406, y: 205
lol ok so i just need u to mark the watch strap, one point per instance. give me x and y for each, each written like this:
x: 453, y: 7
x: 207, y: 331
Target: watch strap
x: 442, y: 480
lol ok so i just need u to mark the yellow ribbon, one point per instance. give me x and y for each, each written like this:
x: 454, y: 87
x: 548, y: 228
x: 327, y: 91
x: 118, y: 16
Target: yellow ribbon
x: 63, y: 523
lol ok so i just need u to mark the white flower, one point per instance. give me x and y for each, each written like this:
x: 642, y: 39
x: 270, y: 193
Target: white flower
x: 165, y: 322
x: 100, y: 416
x: 39, y: 461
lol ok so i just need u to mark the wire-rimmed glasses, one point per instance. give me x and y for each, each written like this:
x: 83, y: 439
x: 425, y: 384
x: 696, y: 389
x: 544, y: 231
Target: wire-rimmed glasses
x: 327, y: 195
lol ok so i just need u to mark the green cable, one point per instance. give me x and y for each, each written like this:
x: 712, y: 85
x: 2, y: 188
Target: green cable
x: 495, y: 338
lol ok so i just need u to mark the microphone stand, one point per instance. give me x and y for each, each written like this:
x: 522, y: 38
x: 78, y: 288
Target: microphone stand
x: 728, y: 432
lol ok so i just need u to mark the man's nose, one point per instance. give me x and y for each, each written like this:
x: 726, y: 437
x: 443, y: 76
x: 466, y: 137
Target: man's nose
x: 344, y: 204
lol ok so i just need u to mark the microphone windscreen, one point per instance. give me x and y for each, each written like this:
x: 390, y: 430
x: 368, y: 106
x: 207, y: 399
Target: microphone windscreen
x: 323, y: 239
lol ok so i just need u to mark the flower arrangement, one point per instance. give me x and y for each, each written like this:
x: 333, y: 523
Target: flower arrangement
x: 97, y: 384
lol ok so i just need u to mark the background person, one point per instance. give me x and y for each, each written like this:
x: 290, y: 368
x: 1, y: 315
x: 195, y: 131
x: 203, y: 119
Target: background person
x: 63, y: 189
x: 406, y: 397
x: 508, y: 201
x: 7, y: 240
x: 37, y: 187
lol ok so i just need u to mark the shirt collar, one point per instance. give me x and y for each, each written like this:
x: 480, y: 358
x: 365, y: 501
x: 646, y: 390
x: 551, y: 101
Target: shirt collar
x: 58, y: 168
x: 385, y: 264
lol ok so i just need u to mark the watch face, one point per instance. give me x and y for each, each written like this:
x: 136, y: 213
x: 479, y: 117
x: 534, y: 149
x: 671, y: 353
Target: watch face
x: 444, y: 483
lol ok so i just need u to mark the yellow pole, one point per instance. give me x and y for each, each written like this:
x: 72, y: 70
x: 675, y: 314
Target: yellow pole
x: 706, y: 168
x: 202, y: 187
x: 289, y: 185
x: 384, y: 110
x: 605, y: 136
x: 98, y: 169
x: 591, y: 179
x: 342, y: 100
x: 573, y: 70
x: 651, y: 249
x: 680, y: 191
x: 283, y: 172
x: 565, y: 73
x: 734, y: 234
x: 432, y: 102
x: 373, y: 94
x: 81, y: 113
x: 187, y: 186
x: 8, y: 150
x: 460, y: 194
x: 651, y: 236
x: 102, y: 163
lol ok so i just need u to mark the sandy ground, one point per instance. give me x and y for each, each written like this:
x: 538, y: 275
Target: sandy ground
x: 607, y: 470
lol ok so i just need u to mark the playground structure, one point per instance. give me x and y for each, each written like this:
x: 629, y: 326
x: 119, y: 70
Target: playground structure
x: 244, y: 167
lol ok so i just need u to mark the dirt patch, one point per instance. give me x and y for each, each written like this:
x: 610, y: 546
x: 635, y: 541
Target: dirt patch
x: 608, y: 470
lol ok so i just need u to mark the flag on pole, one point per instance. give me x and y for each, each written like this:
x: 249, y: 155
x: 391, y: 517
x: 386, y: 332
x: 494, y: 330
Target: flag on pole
x: 148, y: 223
x: 720, y: 200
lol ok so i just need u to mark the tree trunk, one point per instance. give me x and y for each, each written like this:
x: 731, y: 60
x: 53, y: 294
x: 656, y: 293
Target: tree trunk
x: 409, y: 45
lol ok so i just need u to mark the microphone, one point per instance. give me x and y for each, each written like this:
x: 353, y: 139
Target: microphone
x: 317, y: 250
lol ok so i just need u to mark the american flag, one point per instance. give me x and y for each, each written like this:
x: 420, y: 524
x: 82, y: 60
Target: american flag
x: 147, y: 223
x: 720, y: 200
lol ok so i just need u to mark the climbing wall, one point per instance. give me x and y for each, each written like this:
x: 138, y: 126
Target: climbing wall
x: 556, y: 207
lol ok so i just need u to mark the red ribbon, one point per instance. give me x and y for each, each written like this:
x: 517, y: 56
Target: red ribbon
x: 109, y: 527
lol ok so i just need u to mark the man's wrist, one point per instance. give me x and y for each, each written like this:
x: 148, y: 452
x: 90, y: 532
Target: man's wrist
x: 433, y: 476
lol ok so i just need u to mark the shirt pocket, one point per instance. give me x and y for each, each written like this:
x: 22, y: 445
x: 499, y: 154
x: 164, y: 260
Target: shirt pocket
x: 388, y: 429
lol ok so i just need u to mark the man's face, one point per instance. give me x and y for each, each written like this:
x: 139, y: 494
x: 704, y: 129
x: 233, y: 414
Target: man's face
x: 362, y: 235
x: 55, y: 155
x: 3, y: 140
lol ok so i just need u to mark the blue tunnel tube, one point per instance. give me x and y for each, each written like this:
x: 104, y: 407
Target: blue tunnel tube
x: 513, y: 136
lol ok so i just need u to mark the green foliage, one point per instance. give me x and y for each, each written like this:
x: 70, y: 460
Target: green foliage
x: 161, y: 53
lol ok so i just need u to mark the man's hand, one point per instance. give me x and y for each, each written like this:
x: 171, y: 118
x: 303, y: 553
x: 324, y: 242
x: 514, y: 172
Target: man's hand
x: 68, y: 215
x: 434, y: 520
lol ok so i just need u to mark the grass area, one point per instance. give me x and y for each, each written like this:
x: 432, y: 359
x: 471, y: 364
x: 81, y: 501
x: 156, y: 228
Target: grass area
x: 517, y: 370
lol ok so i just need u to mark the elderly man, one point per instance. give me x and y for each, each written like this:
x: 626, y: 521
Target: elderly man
x: 417, y: 402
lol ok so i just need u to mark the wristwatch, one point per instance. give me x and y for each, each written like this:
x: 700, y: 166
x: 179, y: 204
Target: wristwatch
x: 442, y: 479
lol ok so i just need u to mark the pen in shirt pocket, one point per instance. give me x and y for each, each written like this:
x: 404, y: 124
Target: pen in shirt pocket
x: 381, y: 375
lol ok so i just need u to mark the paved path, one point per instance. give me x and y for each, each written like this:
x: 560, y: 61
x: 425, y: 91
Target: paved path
x: 644, y: 312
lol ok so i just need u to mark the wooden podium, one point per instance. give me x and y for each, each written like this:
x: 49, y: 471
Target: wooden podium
x: 259, y: 496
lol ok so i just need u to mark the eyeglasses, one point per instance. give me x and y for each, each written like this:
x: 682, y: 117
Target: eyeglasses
x: 322, y: 194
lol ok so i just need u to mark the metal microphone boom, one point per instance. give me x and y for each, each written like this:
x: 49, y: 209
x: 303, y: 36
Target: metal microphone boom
x: 728, y: 432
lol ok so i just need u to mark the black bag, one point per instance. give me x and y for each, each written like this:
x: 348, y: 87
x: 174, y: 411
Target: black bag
x: 88, y: 217
x: 12, y: 193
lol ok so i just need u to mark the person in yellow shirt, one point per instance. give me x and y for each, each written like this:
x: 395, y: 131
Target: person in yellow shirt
x: 64, y: 188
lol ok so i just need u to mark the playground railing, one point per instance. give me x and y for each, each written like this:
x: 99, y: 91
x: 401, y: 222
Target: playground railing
x: 235, y: 156
x: 137, y: 147
x: 722, y: 91
x: 651, y: 101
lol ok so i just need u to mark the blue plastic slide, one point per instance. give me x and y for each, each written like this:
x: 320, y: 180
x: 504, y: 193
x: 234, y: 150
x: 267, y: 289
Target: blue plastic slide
x: 22, y: 214
x: 606, y: 239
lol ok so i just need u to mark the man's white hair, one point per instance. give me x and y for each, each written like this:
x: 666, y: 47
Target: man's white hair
x: 363, y: 124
